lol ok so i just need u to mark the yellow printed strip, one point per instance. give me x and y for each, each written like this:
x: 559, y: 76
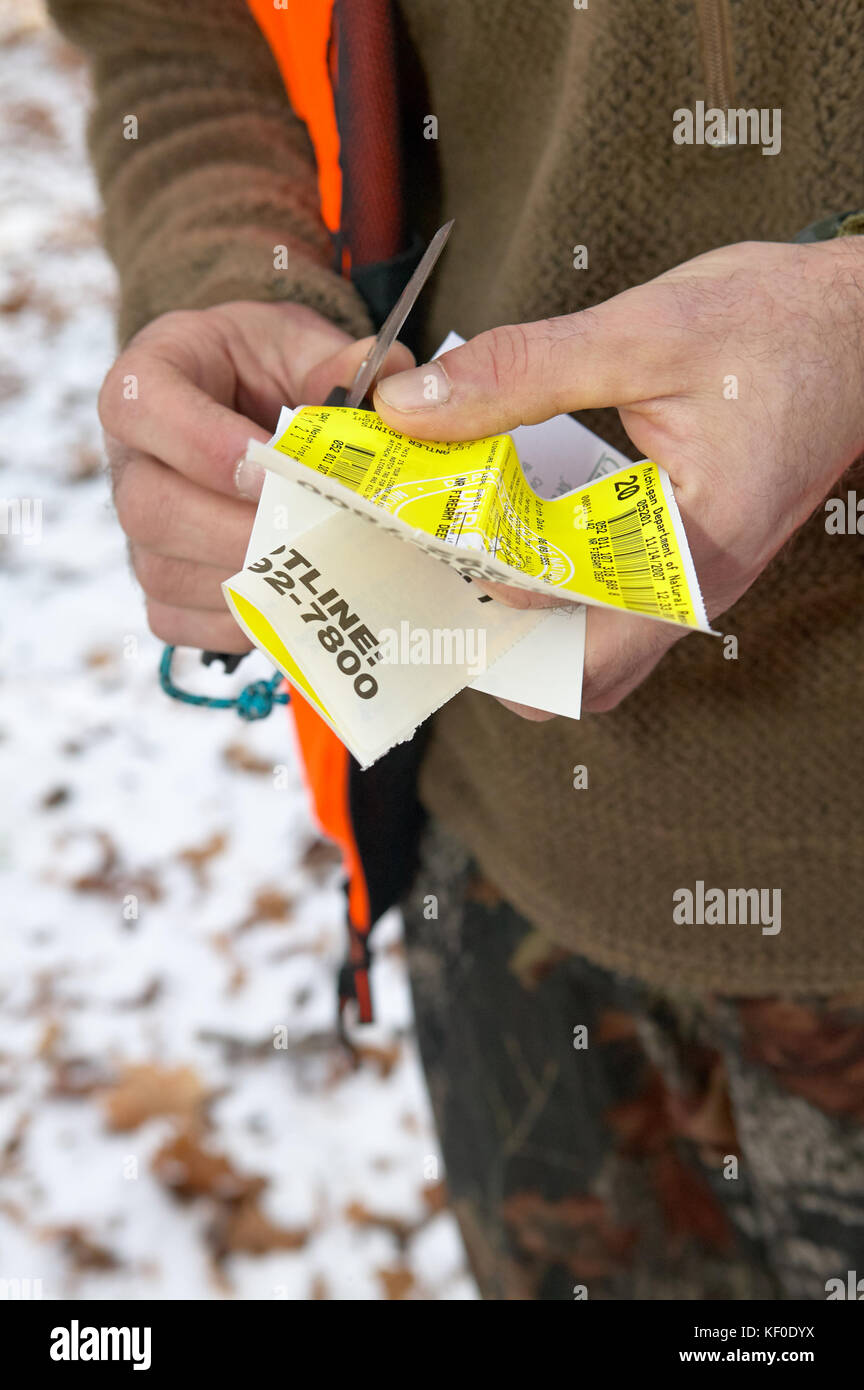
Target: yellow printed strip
x: 613, y: 542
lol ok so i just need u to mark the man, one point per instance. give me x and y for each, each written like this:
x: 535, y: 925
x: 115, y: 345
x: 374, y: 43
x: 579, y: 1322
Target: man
x: 644, y: 1088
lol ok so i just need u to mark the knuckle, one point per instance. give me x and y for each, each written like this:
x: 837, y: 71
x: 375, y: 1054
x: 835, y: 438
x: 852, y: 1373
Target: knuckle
x: 296, y: 316
x: 181, y: 627
x: 118, y: 457
x: 163, y: 623
x: 144, y: 503
x: 174, y: 321
x: 110, y: 401
x: 156, y: 575
x: 505, y: 352
x: 127, y: 499
x: 171, y: 581
x: 117, y: 403
x: 176, y: 626
x: 119, y: 393
x: 601, y: 701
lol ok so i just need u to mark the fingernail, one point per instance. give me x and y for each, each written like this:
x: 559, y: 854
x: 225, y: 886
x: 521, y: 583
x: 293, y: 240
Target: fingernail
x: 249, y: 479
x: 420, y: 389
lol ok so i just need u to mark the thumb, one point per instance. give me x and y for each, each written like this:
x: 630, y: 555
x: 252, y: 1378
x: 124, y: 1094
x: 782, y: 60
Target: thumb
x: 521, y: 374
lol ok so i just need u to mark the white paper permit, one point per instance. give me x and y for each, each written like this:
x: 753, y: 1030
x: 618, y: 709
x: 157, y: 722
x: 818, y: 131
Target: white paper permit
x: 379, y: 635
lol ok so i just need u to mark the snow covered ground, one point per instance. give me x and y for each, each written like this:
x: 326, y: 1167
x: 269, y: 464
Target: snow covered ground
x: 177, y: 1119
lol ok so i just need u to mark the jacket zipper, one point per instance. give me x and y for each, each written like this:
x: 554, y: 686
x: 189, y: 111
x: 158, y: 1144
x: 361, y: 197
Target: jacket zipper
x: 715, y: 28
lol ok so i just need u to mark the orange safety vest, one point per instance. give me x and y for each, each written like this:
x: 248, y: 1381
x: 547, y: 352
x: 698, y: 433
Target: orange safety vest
x: 301, y: 35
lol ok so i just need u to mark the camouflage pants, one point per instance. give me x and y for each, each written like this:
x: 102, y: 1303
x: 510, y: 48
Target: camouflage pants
x: 602, y: 1141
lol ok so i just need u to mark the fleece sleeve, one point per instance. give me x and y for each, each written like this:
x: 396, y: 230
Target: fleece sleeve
x: 203, y: 167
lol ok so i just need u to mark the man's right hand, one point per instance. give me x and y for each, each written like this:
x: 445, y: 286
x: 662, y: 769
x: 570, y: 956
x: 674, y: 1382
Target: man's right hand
x: 178, y: 408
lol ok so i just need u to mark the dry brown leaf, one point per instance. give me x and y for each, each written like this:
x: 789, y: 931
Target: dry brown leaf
x: 189, y: 1170
x: 32, y: 118
x: 77, y: 1076
x: 111, y: 878
x: 197, y: 857
x: 358, y: 1214
x: 238, y: 1225
x: 244, y: 1229
x: 58, y: 796
x: 82, y: 1252
x: 435, y: 1197
x: 10, y: 384
x: 273, y: 906
x: 238, y: 756
x: 11, y: 1150
x: 237, y: 1049
x: 145, y: 1091
x: 99, y: 656
x: 146, y: 996
x: 397, y: 1283
x: 142, y: 884
x: 320, y: 858
x: 383, y: 1059
x: 268, y: 905
x: 76, y: 231
x: 236, y: 980
x: 110, y: 858
x: 19, y: 297
x: 51, y: 1034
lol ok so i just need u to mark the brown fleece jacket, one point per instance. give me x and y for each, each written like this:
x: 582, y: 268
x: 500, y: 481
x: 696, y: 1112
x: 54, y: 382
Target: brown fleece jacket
x: 555, y: 129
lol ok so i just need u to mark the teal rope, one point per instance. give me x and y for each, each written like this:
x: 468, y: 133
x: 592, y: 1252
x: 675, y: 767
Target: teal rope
x: 255, y: 700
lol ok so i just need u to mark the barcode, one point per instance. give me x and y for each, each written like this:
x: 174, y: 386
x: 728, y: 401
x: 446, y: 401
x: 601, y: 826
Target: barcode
x: 632, y: 563
x: 351, y: 465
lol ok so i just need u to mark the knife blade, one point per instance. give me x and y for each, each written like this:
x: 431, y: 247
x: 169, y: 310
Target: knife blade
x: 367, y: 373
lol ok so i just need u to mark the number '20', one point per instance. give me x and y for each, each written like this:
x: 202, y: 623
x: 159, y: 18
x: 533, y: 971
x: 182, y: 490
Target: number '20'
x: 627, y: 487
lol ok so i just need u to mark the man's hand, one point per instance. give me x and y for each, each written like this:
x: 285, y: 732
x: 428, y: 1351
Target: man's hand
x: 741, y: 372
x: 178, y: 407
